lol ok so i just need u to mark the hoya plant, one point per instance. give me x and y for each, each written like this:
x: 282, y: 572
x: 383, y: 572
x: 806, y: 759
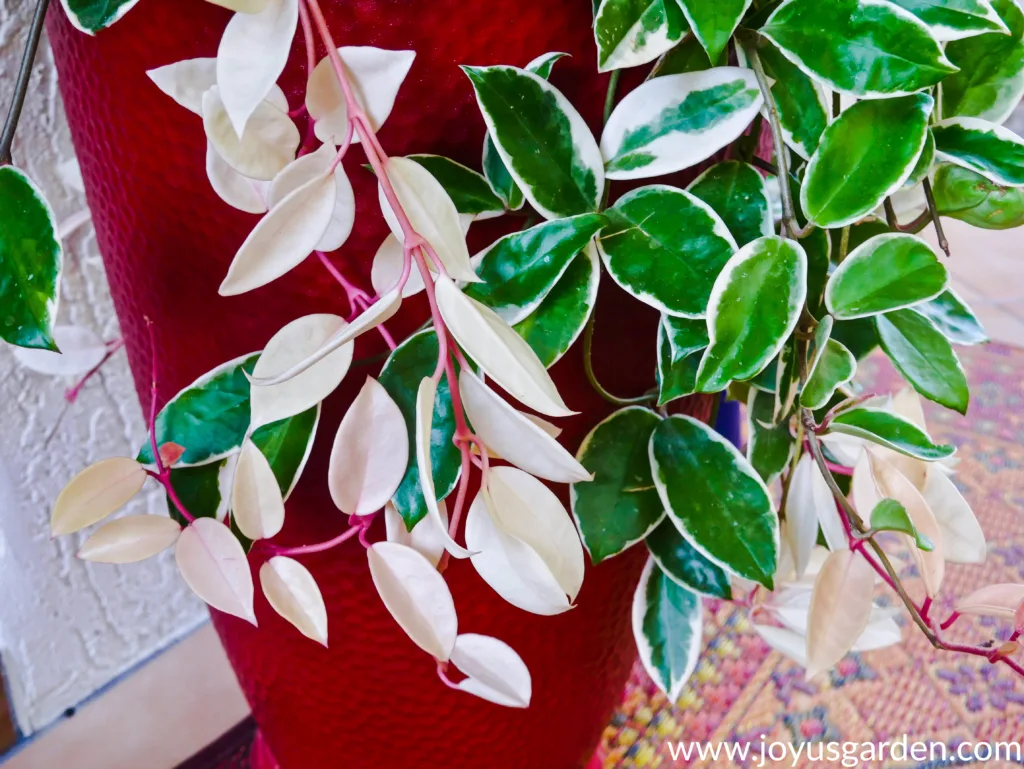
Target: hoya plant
x: 821, y: 138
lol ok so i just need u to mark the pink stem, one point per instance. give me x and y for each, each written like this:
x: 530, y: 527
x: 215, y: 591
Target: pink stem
x: 442, y: 673
x: 72, y: 393
x: 950, y: 620
x: 320, y: 547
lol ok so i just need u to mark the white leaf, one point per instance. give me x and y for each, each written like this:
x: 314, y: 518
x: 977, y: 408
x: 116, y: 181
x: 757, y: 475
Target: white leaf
x: 386, y: 306
x: 294, y: 343
x: 495, y: 672
x: 526, y: 509
x: 375, y: 74
x: 416, y: 595
x: 907, y: 404
x: 234, y: 189
x: 427, y: 537
x: 293, y: 593
x: 283, y: 238
x: 503, y: 355
x: 186, y: 81
x: 252, y: 55
x: 845, y: 449
x: 999, y: 601
x: 430, y: 211
x: 268, y: 144
x: 213, y: 564
x: 95, y: 493
x: 130, y: 539
x: 840, y: 609
x: 514, y: 437
x: 256, y: 501
x: 878, y: 635
x: 388, y: 263
x: 963, y: 541
x: 80, y: 351
x: 425, y: 395
x: 242, y: 6
x: 892, y: 484
x: 511, y: 567
x: 304, y: 170
x: 810, y: 504
x: 371, y: 452
x: 863, y: 490
x: 784, y: 641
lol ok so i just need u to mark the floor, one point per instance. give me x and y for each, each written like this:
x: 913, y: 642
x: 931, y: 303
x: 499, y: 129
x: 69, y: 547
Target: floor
x: 187, y: 696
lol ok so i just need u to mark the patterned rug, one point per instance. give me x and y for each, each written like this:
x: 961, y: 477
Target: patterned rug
x: 743, y: 693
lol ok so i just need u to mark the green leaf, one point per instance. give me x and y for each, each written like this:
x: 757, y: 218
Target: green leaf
x: 633, y: 32
x: 497, y: 174
x: 990, y: 82
x: 31, y: 260
x: 953, y: 318
x: 91, y: 16
x: 556, y: 324
x: 199, y: 489
x: 890, y: 515
x: 955, y: 19
x: 715, y: 498
x: 676, y: 121
x: 867, y: 48
x: 683, y: 563
x: 714, y: 22
x: 666, y: 247
x: 769, y: 449
x: 802, y: 104
x: 688, y: 56
x: 858, y: 336
x: 835, y: 367
x: 737, y: 193
x: 787, y: 379
x: 209, y: 417
x: 620, y: 506
x: 986, y: 148
x: 886, y: 273
x: 468, y: 190
x: 864, y: 156
x: 668, y: 630
x: 754, y: 307
x: 890, y: 430
x: 542, y: 140
x: 676, y: 374
x: 962, y: 194
x: 520, y: 269
x: 685, y: 336
x: 924, y: 162
x: 415, y: 359
x: 287, y: 445
x: 925, y: 358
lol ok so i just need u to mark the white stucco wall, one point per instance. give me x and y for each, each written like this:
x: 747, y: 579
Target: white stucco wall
x: 67, y: 628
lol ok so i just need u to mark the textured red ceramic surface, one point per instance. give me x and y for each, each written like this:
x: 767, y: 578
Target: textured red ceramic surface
x: 371, y: 700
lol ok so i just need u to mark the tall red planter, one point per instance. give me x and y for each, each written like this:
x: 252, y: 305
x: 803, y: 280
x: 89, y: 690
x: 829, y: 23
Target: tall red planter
x: 372, y: 699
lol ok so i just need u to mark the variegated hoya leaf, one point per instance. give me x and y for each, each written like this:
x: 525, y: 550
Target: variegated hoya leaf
x: 468, y: 189
x: 684, y: 564
x: 80, y: 351
x: 737, y: 193
x: 953, y: 318
x: 633, y: 32
x: 90, y: 16
x: 834, y: 368
x: 985, y: 148
x: 769, y: 448
x: 891, y: 431
x: 955, y: 19
x: 968, y: 196
x: 714, y: 23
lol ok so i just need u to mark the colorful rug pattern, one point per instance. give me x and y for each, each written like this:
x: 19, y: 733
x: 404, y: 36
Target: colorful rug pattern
x: 745, y: 693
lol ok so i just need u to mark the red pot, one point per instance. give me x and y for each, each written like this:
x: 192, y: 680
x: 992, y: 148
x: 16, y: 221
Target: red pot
x: 372, y: 699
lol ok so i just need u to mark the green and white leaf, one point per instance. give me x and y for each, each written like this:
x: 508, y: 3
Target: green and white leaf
x: 714, y: 22
x: 955, y: 19
x: 970, y: 197
x: 925, y: 358
x: 834, y: 368
x: 890, y: 430
x: 684, y: 564
x: 890, y: 515
x: 674, y: 122
x: 885, y: 273
x: 677, y: 366
x: 787, y: 379
x: 519, y: 270
x: 90, y: 16
x: 31, y: 261
x: 556, y: 324
x: 629, y: 33
x: 668, y: 630
x: 468, y: 190
x: 953, y: 318
x: 754, y: 307
x: 620, y: 506
x: 287, y: 445
x: 715, y: 498
x: 864, y: 156
x: 688, y: 56
x: 413, y: 360
x: 738, y: 194
x: 995, y: 152
x: 866, y: 48
x: 924, y: 164
x: 542, y: 140
x: 666, y: 247
x: 769, y: 448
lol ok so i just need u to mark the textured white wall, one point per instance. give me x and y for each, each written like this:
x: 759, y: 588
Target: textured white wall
x: 67, y: 628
